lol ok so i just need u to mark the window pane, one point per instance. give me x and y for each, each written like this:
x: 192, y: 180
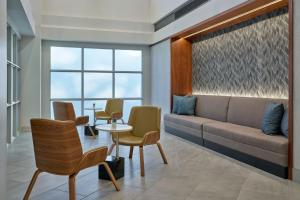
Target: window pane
x: 128, y: 60
x: 97, y: 85
x: 65, y: 58
x: 65, y: 85
x: 128, y: 85
x: 89, y: 104
x: 128, y: 104
x: 77, y: 108
x: 98, y: 59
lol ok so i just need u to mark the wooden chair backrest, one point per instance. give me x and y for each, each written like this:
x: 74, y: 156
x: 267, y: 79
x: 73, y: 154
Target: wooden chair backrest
x: 57, y: 146
x: 63, y: 111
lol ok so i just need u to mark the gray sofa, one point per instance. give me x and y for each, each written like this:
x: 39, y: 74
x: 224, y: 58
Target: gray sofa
x: 231, y: 125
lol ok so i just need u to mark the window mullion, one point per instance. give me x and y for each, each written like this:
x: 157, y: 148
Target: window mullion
x: 82, y: 81
x: 113, y: 74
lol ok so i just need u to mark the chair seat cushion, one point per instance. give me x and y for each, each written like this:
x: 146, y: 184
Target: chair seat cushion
x: 248, y: 135
x: 188, y: 121
x: 102, y: 115
x: 128, y: 139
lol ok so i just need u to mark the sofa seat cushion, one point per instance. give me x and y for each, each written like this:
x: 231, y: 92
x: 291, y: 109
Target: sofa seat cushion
x: 188, y: 121
x: 249, y: 136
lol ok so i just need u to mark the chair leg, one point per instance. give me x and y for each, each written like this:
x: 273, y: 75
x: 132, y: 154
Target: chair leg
x: 131, y: 152
x: 91, y: 130
x: 162, y: 153
x: 72, y: 188
x: 142, y: 161
x: 111, y: 148
x: 112, y: 177
x: 32, y: 182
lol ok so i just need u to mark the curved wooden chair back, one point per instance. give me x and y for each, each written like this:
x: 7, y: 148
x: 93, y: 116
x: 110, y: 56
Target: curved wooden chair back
x: 63, y: 111
x: 144, y: 119
x: 57, y: 146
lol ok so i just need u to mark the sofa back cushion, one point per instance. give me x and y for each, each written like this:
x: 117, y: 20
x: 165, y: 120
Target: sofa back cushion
x: 212, y: 107
x: 247, y: 111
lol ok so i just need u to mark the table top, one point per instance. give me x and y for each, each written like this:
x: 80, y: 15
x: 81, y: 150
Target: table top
x: 91, y: 108
x: 119, y: 128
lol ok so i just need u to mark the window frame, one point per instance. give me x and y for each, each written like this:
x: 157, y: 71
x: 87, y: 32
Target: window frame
x: 47, y: 61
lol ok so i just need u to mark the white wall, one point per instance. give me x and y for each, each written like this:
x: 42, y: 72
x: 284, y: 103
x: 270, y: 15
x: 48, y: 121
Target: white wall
x: 160, y: 8
x: 3, y: 69
x: 297, y: 90
x: 30, y: 58
x: 125, y: 10
x: 160, y: 75
x: 104, y: 21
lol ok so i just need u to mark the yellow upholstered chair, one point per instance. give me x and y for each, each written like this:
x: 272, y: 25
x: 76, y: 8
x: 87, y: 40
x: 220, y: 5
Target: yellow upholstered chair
x: 145, y: 121
x: 64, y: 111
x: 113, y: 110
x: 58, y: 150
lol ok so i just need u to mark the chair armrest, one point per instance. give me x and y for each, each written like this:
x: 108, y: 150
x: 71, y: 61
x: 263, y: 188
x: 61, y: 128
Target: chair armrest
x: 82, y: 120
x: 116, y: 115
x: 151, y: 137
x: 92, y: 157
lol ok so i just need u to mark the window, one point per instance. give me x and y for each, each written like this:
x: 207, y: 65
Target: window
x: 13, y: 84
x: 92, y: 75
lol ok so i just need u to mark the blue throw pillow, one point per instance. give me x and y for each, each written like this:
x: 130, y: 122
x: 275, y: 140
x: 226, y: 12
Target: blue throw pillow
x: 285, y: 123
x: 187, y: 105
x: 176, y: 102
x: 272, y: 118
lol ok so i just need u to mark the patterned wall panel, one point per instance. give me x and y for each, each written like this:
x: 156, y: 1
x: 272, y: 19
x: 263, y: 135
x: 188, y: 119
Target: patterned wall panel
x: 248, y: 59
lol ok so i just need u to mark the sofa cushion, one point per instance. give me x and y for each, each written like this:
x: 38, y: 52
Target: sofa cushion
x: 249, y: 111
x: 248, y: 135
x: 277, y: 158
x: 285, y: 123
x: 187, y: 105
x: 212, y: 107
x: 176, y: 103
x: 272, y: 118
x: 188, y: 121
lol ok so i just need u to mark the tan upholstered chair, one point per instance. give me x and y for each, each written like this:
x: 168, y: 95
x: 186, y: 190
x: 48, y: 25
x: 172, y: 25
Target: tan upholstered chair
x: 146, y: 131
x: 113, y: 109
x: 64, y: 111
x: 58, y: 150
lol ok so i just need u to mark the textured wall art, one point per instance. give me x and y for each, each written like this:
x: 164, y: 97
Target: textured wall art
x: 248, y: 59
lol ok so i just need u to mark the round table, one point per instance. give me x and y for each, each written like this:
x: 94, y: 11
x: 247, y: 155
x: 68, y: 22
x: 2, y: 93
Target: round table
x: 117, y: 128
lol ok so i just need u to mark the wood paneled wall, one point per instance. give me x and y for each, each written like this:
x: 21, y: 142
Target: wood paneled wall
x: 181, y: 67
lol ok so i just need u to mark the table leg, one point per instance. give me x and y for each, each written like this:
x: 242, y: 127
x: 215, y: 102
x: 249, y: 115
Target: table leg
x: 94, y: 117
x: 117, y: 146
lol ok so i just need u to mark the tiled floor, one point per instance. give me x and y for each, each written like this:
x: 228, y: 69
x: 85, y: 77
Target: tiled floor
x: 193, y: 173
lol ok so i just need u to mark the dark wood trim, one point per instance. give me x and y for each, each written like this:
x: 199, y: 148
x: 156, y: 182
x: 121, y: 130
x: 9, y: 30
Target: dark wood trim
x: 181, y: 67
x: 291, y: 90
x: 220, y: 21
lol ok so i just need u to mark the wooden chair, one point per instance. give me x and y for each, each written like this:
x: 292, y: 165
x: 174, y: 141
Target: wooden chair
x: 58, y: 150
x: 113, y: 110
x: 64, y: 111
x: 146, y: 131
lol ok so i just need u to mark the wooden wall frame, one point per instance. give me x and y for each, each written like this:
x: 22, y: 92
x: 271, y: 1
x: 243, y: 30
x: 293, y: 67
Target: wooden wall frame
x: 181, y: 50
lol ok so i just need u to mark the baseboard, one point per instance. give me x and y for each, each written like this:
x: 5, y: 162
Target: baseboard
x: 296, y: 175
x: 25, y: 129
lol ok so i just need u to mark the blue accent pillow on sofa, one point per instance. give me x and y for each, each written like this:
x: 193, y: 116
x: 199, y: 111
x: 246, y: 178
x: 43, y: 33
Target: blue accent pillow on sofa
x: 285, y: 123
x: 176, y: 103
x: 187, y: 105
x: 272, y: 118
